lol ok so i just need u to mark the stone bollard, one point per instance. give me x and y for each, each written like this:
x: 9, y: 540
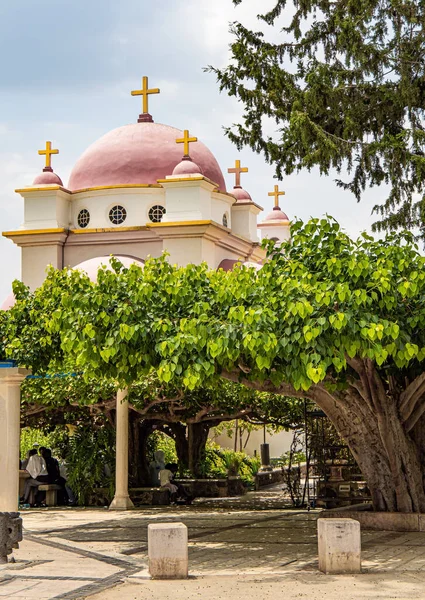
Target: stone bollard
x: 10, y: 534
x: 339, y: 545
x: 167, y: 551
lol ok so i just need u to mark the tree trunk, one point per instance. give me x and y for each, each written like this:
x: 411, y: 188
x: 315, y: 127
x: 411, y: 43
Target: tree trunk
x: 197, y: 434
x: 178, y: 431
x: 387, y: 456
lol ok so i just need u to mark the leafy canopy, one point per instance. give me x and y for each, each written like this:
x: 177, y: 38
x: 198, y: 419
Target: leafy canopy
x: 344, y: 85
x: 324, y: 299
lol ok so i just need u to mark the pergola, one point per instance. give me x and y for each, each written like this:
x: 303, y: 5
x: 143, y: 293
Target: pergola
x: 11, y: 377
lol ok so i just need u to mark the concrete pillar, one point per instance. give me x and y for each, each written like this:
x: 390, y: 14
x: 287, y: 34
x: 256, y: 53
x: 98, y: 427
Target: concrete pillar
x: 339, y: 546
x: 10, y: 433
x: 167, y: 551
x: 121, y: 499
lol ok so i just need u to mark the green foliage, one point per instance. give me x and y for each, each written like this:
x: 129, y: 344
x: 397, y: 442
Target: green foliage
x: 31, y: 438
x: 160, y: 441
x: 90, y: 462
x: 324, y: 300
x: 344, y: 85
x: 220, y: 463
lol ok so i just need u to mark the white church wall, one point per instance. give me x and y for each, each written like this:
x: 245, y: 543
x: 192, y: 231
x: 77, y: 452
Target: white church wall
x: 222, y: 205
x: 188, y: 200
x: 136, y: 201
x: 46, y: 211
x: 184, y: 250
x: 36, y: 259
x: 74, y: 255
x: 281, y: 232
x: 279, y: 442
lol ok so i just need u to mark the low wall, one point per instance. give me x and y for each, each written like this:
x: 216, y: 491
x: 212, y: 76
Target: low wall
x: 380, y: 521
x: 214, y: 488
x: 264, y: 478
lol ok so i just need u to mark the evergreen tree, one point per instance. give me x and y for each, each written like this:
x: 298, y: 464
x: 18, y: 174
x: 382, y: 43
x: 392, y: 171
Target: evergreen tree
x: 345, y: 86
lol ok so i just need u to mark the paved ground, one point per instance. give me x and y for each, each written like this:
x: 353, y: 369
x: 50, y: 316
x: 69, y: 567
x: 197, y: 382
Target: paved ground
x: 96, y: 554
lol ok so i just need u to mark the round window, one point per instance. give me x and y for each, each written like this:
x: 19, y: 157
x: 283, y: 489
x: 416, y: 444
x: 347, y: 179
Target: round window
x: 83, y: 218
x: 117, y: 215
x: 156, y: 213
x: 225, y: 221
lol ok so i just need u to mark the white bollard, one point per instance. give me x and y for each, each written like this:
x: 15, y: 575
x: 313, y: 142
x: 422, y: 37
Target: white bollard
x: 167, y: 551
x: 339, y: 545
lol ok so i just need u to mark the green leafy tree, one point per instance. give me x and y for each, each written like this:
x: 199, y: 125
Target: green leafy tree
x: 344, y: 85
x: 337, y: 321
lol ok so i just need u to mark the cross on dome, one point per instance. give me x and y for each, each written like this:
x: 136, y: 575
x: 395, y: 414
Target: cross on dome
x: 276, y: 195
x: 237, y: 170
x: 48, y: 153
x: 186, y: 140
x: 145, y: 92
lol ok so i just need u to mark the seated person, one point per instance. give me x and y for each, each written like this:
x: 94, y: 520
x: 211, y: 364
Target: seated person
x: 165, y: 477
x: 36, y: 467
x: 54, y: 476
x: 178, y: 493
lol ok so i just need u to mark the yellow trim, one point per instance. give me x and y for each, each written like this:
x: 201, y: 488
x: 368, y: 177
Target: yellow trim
x: 50, y: 188
x: 272, y: 223
x: 33, y: 231
x: 108, y: 229
x: 116, y: 187
x: 196, y: 178
x: 180, y: 223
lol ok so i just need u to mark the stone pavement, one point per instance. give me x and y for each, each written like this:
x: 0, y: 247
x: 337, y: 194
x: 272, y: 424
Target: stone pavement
x: 94, y: 553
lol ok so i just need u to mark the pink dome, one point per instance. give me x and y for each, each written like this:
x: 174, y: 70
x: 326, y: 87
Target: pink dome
x: 47, y: 178
x: 8, y: 302
x: 240, y: 194
x: 139, y: 153
x: 92, y: 265
x: 187, y: 167
x: 276, y: 215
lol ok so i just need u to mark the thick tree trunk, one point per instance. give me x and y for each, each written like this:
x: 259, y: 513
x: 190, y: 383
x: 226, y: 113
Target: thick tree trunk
x: 386, y: 454
x: 197, y: 434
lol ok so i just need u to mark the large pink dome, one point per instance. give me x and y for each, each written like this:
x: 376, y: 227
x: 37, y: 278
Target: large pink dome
x: 139, y: 153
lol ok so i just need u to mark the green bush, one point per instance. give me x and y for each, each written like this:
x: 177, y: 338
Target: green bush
x: 219, y: 463
x: 161, y: 441
x: 90, y: 461
x: 35, y: 437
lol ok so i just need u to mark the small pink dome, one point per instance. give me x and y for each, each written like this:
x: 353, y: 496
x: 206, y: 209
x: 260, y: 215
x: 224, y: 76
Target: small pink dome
x: 136, y: 154
x: 187, y: 167
x: 92, y: 265
x: 8, y: 302
x: 47, y: 178
x: 276, y: 215
x: 240, y: 194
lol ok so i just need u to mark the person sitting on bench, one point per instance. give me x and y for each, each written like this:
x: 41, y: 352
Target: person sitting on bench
x: 36, y: 467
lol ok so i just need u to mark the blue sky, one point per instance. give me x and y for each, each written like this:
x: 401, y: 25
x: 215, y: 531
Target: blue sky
x: 67, y: 69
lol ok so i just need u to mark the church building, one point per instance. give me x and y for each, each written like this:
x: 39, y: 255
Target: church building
x: 139, y: 190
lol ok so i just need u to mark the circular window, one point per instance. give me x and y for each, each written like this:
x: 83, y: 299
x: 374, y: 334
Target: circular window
x: 117, y: 215
x: 156, y: 213
x: 225, y: 220
x: 83, y: 218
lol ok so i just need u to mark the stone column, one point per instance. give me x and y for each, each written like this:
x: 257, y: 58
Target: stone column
x: 121, y: 499
x: 10, y: 432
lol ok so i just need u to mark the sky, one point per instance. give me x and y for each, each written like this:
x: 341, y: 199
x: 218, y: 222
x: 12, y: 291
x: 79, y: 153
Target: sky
x: 67, y: 69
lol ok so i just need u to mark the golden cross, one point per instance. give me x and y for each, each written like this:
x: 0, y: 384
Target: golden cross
x: 237, y: 171
x: 145, y: 92
x: 48, y: 152
x: 186, y: 140
x: 276, y: 195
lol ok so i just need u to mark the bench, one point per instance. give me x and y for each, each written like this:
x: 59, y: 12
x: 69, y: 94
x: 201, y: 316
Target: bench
x: 51, y: 490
